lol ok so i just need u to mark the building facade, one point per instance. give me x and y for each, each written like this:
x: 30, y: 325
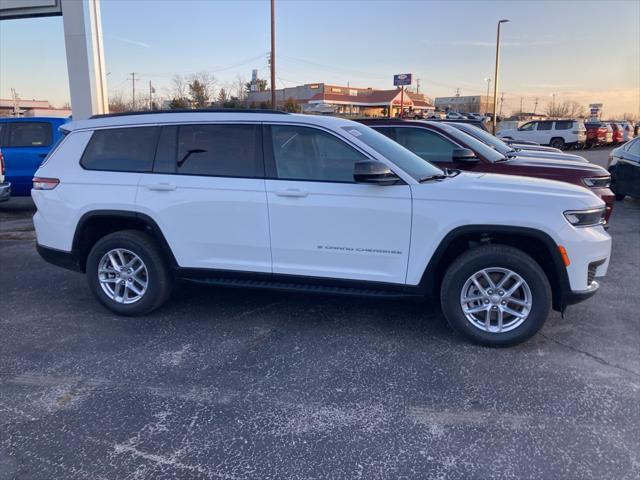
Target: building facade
x: 30, y: 108
x: 346, y: 100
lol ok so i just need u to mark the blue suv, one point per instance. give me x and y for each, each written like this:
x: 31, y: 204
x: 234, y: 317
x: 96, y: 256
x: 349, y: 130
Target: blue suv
x: 25, y: 142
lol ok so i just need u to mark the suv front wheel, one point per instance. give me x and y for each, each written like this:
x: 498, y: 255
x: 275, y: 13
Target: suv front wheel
x: 496, y: 295
x: 128, y: 274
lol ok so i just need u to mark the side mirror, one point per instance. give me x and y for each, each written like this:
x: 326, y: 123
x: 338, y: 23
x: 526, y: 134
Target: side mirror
x: 369, y: 171
x: 465, y: 155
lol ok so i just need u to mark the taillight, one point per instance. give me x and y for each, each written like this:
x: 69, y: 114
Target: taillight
x: 40, y: 183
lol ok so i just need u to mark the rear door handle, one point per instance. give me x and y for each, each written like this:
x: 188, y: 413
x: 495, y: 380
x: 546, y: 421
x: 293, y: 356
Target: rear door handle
x: 161, y: 187
x: 292, y: 192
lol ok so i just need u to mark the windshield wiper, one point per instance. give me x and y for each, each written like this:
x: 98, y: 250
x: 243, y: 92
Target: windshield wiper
x: 428, y: 178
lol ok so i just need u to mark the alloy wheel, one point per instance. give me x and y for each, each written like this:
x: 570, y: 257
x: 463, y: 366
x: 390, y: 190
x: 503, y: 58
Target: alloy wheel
x: 123, y: 276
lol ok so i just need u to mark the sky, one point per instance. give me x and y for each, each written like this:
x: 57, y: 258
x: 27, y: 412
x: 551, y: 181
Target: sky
x: 582, y: 50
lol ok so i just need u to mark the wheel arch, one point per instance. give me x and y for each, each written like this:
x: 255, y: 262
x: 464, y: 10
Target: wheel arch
x: 95, y: 224
x: 536, y: 243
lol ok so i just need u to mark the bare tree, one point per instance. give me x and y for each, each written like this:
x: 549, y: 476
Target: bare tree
x: 178, y: 93
x: 239, y: 89
x: 117, y: 103
x: 566, y: 109
x: 575, y: 110
x: 202, y: 89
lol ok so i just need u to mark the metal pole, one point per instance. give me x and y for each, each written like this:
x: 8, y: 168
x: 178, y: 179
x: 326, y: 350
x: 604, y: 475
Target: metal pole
x: 401, y: 102
x: 486, y: 106
x: 273, y: 55
x: 496, y: 78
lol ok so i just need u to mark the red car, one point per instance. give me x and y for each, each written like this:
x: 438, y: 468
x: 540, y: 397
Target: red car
x: 598, y: 133
x: 449, y: 147
x: 618, y: 132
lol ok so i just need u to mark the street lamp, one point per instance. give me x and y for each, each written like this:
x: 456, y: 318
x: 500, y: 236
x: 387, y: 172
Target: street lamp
x: 495, y: 76
x: 486, y: 105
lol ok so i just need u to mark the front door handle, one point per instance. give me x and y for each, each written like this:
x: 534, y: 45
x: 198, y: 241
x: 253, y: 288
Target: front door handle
x: 292, y: 192
x: 161, y: 187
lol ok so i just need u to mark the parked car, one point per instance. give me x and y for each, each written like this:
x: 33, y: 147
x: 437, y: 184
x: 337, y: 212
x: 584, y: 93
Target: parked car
x: 436, y: 115
x: 555, y: 133
x: 476, y: 116
x: 510, y: 151
x: 25, y: 142
x: 598, y: 133
x: 521, y: 144
x: 618, y: 132
x: 310, y: 203
x: 440, y: 143
x: 627, y: 131
x: 456, y: 116
x: 624, y: 166
x: 5, y: 187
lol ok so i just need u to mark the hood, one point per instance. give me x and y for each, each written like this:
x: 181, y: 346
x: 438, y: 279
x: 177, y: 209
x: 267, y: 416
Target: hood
x: 550, y: 155
x: 507, y: 191
x: 537, y: 161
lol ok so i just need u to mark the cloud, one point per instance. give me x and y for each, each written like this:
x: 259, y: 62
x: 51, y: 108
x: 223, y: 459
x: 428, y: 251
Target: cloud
x: 552, y: 85
x: 132, y: 42
x: 503, y: 44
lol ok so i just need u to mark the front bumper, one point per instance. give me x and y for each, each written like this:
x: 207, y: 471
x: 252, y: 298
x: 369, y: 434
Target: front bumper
x: 5, y: 191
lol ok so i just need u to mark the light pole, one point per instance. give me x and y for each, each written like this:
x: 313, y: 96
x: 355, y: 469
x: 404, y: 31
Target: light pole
x: 486, y: 105
x: 553, y: 105
x: 496, y: 76
x: 272, y: 58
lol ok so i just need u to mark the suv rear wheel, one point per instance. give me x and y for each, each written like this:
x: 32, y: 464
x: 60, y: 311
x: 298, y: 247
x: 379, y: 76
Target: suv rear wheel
x: 496, y: 295
x: 557, y: 143
x: 127, y: 273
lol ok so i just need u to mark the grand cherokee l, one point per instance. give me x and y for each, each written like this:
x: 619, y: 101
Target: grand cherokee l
x: 310, y: 203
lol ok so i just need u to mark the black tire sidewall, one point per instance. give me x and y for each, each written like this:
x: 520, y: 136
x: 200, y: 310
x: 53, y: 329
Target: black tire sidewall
x: 524, y: 266
x: 156, y: 271
x: 557, y: 143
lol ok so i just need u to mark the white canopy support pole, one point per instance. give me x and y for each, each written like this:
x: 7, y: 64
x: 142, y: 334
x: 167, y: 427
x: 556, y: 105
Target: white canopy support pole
x: 85, y: 58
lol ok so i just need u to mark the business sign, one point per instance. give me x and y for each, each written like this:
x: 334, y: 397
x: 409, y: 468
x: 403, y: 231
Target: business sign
x: 11, y: 9
x: 595, y: 109
x: 402, y: 79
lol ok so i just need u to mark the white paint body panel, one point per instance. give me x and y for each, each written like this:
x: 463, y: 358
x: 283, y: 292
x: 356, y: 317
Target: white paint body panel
x: 340, y: 230
x: 210, y: 222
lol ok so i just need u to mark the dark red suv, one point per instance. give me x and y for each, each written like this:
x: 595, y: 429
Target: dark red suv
x: 449, y: 147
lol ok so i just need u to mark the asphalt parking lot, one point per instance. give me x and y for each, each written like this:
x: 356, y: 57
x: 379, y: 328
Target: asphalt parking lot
x: 241, y: 384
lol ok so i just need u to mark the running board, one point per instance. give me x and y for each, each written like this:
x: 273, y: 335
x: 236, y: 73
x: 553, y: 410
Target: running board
x: 308, y: 287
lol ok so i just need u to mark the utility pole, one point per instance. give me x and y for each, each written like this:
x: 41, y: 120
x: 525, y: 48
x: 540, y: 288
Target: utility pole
x: 417, y: 85
x: 488, y: 80
x: 535, y: 106
x: 496, y: 75
x: 520, y: 106
x: 272, y: 58
x: 15, y: 100
x: 133, y: 90
x: 501, y: 102
x: 151, y: 92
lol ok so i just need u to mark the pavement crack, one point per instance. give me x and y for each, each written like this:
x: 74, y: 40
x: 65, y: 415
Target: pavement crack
x: 590, y: 355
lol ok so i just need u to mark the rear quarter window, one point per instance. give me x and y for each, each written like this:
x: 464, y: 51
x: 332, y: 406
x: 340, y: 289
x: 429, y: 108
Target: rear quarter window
x: 28, y: 134
x: 564, y: 125
x: 121, y: 149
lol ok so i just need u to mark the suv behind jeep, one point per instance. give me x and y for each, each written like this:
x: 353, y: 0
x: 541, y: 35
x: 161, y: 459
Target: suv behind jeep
x: 311, y: 204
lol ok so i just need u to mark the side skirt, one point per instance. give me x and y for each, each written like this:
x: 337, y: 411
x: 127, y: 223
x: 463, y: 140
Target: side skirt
x: 293, y: 283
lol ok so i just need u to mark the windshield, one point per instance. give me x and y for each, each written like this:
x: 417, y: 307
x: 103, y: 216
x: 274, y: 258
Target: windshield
x: 484, y: 136
x: 403, y: 158
x: 476, y: 145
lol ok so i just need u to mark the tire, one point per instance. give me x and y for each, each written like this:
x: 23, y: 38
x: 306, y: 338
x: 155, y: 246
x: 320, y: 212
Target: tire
x: 154, y: 281
x: 496, y: 258
x: 620, y: 196
x: 557, y: 143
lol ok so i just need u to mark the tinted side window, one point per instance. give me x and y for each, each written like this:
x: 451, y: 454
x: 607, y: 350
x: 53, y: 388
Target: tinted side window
x: 634, y: 147
x: 303, y: 153
x: 121, y: 149
x: 29, y: 134
x: 527, y: 126
x: 566, y: 125
x: 544, y: 125
x: 428, y: 145
x: 220, y: 150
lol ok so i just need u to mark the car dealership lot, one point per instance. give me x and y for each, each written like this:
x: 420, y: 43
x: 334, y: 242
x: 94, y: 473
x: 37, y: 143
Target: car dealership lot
x: 224, y: 383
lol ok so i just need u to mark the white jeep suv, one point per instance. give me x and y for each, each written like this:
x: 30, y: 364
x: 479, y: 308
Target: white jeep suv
x: 314, y: 204
x: 555, y: 133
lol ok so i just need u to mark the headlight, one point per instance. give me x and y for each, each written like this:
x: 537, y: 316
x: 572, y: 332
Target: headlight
x: 585, y: 218
x: 597, y: 182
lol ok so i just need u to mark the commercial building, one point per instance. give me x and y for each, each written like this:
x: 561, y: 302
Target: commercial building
x: 345, y: 100
x: 30, y: 108
x: 465, y: 103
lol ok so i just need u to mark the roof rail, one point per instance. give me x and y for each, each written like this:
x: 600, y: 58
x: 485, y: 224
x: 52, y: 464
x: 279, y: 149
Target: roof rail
x: 187, y: 110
